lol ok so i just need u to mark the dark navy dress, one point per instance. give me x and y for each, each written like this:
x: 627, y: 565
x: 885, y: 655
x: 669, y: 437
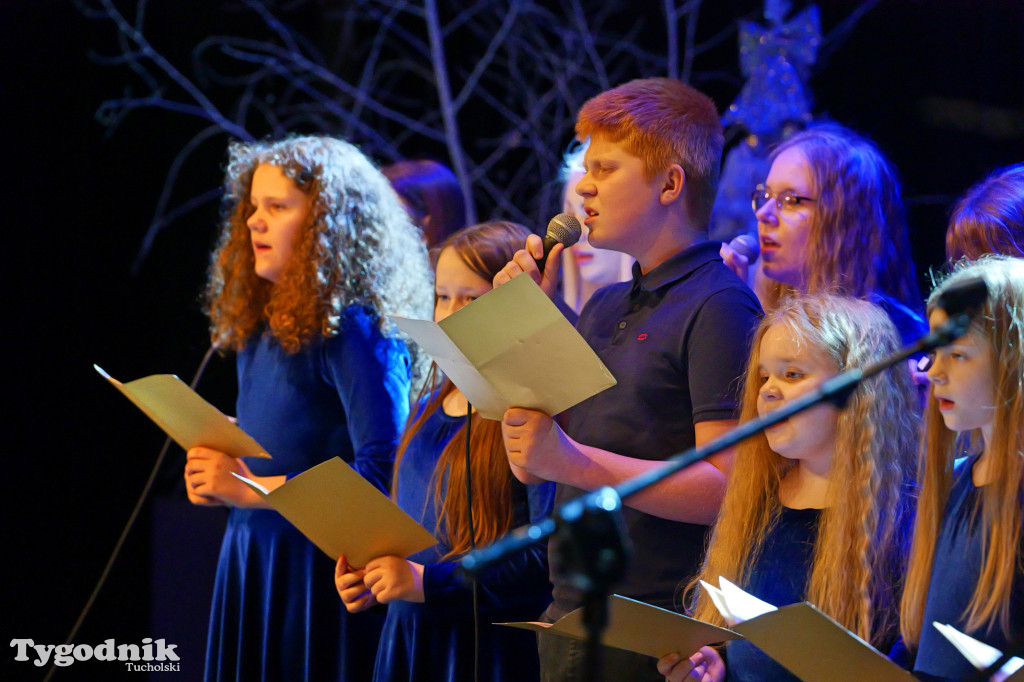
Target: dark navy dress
x: 434, y: 640
x: 779, y: 577
x: 910, y: 324
x: 276, y: 614
x: 955, y: 572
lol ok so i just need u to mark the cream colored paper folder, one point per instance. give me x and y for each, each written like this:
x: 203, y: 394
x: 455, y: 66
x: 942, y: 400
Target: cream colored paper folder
x: 512, y: 348
x: 815, y: 648
x: 185, y: 416
x: 639, y: 627
x: 343, y: 514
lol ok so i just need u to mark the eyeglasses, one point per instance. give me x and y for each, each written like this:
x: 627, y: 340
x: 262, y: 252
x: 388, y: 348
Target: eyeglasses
x: 787, y: 198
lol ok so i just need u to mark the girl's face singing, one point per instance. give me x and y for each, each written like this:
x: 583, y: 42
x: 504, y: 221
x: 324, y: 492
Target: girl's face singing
x: 281, y: 210
x: 455, y: 284
x: 962, y: 378
x: 788, y: 369
x: 784, y: 231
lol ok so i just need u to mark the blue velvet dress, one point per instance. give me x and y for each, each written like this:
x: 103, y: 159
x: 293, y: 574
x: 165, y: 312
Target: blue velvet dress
x: 955, y: 571
x: 276, y: 614
x: 434, y: 640
x: 779, y: 577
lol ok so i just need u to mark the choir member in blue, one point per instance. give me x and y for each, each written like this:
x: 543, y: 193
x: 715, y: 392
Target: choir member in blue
x: 429, y: 631
x: 830, y: 218
x: 965, y: 567
x: 819, y: 506
x: 315, y: 248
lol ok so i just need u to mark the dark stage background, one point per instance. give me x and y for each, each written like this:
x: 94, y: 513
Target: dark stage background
x: 938, y: 84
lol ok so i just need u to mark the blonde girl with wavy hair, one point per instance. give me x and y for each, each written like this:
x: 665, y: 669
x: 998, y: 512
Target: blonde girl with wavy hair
x: 966, y: 561
x: 818, y: 507
x: 315, y: 249
x: 429, y: 631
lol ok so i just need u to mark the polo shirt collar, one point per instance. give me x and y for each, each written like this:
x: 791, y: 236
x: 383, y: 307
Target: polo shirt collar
x: 677, y: 267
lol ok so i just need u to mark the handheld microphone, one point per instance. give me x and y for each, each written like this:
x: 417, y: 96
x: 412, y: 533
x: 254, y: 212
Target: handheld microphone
x: 746, y: 245
x: 562, y: 229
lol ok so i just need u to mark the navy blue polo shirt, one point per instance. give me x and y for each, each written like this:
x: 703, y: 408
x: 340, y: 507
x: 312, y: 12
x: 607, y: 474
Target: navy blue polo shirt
x: 677, y: 341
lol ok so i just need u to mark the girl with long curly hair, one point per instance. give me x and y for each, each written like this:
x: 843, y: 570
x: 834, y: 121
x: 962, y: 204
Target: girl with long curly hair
x: 819, y: 506
x: 429, y: 630
x: 315, y: 249
x: 966, y: 563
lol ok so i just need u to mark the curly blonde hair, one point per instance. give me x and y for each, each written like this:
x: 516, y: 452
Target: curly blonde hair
x: 359, y: 247
x: 1001, y: 325
x: 858, y: 560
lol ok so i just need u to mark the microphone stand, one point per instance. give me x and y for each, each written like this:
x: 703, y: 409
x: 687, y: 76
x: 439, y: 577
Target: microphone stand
x: 591, y: 548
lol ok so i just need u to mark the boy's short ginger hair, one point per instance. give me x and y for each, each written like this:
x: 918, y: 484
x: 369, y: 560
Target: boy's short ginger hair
x: 662, y: 121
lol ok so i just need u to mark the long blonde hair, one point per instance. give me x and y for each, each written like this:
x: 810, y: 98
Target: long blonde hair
x: 858, y: 553
x: 1001, y: 325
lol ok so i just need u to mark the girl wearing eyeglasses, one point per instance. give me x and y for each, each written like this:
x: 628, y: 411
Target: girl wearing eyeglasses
x: 830, y: 218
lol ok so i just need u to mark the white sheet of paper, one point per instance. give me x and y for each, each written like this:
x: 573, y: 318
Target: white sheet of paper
x: 343, y: 514
x: 512, y: 347
x: 736, y: 605
x: 185, y: 416
x: 978, y: 654
x: 258, y: 487
x: 720, y: 602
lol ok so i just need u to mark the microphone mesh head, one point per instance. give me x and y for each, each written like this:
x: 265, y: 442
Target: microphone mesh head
x: 565, y: 229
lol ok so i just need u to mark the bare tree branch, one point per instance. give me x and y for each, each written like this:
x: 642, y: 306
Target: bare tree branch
x: 490, y: 87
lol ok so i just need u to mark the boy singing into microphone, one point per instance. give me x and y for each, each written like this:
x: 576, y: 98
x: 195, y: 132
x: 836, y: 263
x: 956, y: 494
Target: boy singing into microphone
x: 675, y: 337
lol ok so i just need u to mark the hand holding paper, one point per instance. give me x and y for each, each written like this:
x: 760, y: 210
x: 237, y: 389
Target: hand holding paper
x: 706, y: 665
x: 212, y: 479
x: 392, y: 578
x: 537, y: 445
x: 349, y: 583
